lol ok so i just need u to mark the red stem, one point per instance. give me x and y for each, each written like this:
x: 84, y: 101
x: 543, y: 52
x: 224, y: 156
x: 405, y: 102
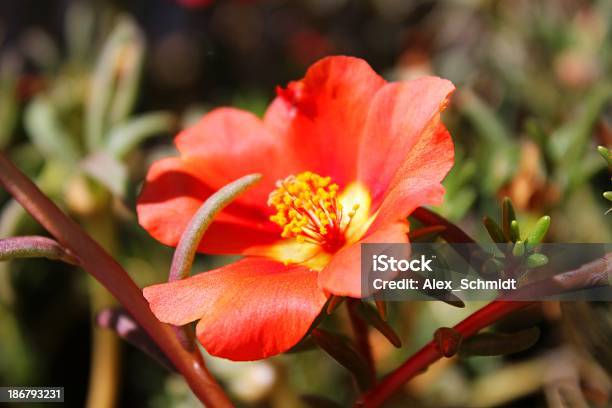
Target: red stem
x: 430, y: 353
x: 109, y: 273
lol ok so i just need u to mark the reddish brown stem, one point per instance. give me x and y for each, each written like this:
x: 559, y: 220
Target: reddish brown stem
x: 109, y: 273
x: 360, y: 331
x: 431, y: 353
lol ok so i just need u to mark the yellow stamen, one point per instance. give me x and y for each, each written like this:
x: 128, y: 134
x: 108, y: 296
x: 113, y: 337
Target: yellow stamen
x: 307, y: 209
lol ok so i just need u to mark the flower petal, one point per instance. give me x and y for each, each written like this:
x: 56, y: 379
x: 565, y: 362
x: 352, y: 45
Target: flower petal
x: 402, y: 114
x: 251, y: 309
x: 322, y: 115
x: 402, y: 200
x: 230, y: 143
x: 173, y: 192
x: 342, y: 276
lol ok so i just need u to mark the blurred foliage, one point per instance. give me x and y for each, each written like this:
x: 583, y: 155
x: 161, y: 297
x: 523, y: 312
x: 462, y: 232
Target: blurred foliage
x: 83, y: 90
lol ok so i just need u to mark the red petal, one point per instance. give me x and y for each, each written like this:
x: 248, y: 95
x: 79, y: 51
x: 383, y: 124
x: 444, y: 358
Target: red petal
x: 173, y: 192
x: 403, y: 199
x: 229, y: 143
x: 342, y: 276
x: 252, y: 309
x: 401, y: 116
x: 323, y: 115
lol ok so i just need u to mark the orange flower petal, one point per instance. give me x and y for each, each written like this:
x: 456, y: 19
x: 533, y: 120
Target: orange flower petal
x: 322, y: 116
x: 251, y: 309
x: 173, y: 192
x: 402, y: 134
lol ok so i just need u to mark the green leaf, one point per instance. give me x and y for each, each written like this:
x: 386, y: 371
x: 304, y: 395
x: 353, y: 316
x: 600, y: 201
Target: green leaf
x: 107, y: 171
x: 508, y: 215
x: 494, y: 230
x: 515, y: 233
x: 79, y: 28
x: 103, y: 83
x: 199, y: 223
x: 372, y: 317
x: 606, y: 154
x: 128, y: 79
x: 536, y: 260
x: 341, y: 351
x: 568, y: 144
x: 538, y: 232
x: 519, y: 249
x: 497, y: 344
x: 126, y: 136
x: 46, y: 131
x: 608, y: 195
x: 498, y: 153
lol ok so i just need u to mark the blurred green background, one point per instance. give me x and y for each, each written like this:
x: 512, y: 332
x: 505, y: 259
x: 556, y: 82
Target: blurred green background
x: 92, y: 92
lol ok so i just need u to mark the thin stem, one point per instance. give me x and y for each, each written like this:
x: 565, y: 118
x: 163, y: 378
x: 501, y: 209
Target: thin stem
x: 188, y: 244
x: 34, y: 247
x: 110, y: 274
x: 360, y: 331
x: 431, y: 353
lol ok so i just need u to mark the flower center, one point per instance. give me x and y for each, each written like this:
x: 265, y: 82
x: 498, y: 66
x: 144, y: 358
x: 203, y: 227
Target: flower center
x: 307, y: 208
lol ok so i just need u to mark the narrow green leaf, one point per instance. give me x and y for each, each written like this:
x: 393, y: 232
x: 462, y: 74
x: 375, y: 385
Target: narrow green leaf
x: 536, y: 260
x: 34, y: 247
x: 341, y: 351
x: 128, y: 78
x: 494, y: 230
x: 519, y: 249
x: 508, y: 215
x: 126, y: 136
x: 569, y: 141
x: 487, y: 124
x: 188, y: 244
x: 608, y: 195
x: 515, y: 232
x: 103, y: 83
x: 538, y: 232
x: 568, y: 144
x: 606, y: 154
x: 48, y: 133
x: 79, y: 28
x: 371, y: 316
x: 108, y: 171
x: 496, y: 344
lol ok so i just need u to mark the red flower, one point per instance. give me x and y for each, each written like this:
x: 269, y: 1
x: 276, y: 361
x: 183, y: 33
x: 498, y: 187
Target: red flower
x: 345, y: 158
